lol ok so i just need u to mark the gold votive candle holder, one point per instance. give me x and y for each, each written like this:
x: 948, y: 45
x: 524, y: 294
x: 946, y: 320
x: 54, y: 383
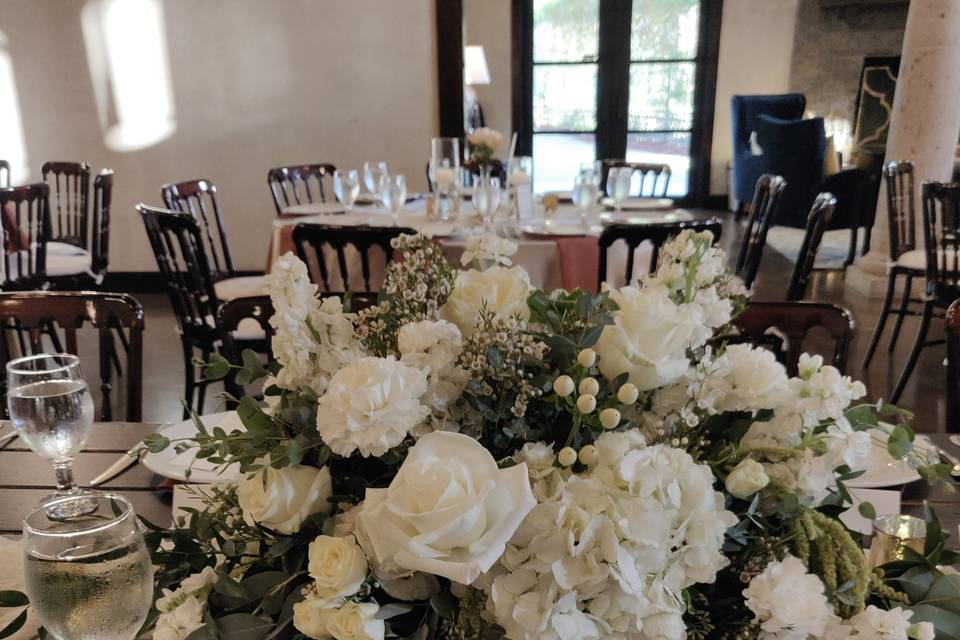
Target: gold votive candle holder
x: 893, y: 534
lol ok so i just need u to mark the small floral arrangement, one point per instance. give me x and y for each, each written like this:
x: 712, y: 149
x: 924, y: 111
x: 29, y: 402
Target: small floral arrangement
x: 482, y: 144
x: 476, y: 458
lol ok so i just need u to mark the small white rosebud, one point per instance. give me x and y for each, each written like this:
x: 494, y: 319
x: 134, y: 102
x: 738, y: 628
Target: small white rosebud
x: 589, y: 386
x: 586, y: 403
x: 588, y: 455
x: 567, y: 456
x: 587, y: 358
x: 563, y: 386
x: 628, y: 393
x: 609, y: 418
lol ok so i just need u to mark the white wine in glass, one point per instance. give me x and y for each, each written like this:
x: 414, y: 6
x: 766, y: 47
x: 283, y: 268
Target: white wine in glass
x: 88, y: 577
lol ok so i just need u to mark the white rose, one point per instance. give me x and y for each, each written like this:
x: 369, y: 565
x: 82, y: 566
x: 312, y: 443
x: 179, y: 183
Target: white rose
x: 648, y: 338
x: 371, y: 405
x: 337, y: 566
x: 502, y: 290
x: 281, y: 499
x: 746, y: 479
x: 322, y: 619
x: 449, y: 511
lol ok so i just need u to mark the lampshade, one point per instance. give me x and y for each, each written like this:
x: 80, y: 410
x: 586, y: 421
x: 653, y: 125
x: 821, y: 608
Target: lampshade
x: 475, y: 70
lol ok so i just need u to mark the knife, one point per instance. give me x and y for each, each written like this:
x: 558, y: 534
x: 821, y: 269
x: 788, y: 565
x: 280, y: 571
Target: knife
x: 127, y: 459
x: 7, y: 439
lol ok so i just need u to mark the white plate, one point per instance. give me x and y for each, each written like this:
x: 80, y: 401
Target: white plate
x: 883, y: 471
x: 170, y: 464
x: 314, y: 209
x: 551, y: 228
x: 640, y: 204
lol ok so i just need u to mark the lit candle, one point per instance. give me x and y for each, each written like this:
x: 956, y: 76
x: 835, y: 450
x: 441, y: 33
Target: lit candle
x: 520, y: 177
x: 445, y: 177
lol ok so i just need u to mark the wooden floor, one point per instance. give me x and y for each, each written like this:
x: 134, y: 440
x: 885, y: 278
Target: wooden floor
x: 163, y: 362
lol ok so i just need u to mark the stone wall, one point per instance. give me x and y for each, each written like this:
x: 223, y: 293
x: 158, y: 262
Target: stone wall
x: 830, y: 43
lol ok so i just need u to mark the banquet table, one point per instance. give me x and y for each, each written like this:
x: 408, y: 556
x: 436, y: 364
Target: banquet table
x: 556, y: 250
x: 25, y: 479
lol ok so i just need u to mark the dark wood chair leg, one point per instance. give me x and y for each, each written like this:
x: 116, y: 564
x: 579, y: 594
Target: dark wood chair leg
x: 202, y: 386
x: 901, y: 312
x: 867, y: 236
x: 189, y: 379
x: 915, y: 353
x: 852, y: 252
x: 882, y: 318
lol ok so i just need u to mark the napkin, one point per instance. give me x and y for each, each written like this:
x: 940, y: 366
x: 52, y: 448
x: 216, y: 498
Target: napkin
x: 11, y: 579
x: 884, y: 502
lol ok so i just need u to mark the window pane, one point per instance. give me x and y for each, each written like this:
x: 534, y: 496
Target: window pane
x: 557, y: 158
x: 565, y: 30
x: 661, y: 96
x: 664, y: 29
x: 663, y: 148
x: 564, y: 97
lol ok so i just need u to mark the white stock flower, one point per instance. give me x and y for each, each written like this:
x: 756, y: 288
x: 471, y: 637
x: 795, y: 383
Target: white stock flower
x: 746, y: 378
x: 874, y: 623
x: 371, y: 405
x: 322, y: 619
x: 433, y: 347
x: 822, y: 392
x: 313, y: 339
x: 648, y: 339
x: 281, y: 499
x: 181, y: 611
x: 502, y: 291
x: 449, y: 511
x: 788, y: 602
x: 746, y: 479
x: 337, y: 565
x: 488, y: 250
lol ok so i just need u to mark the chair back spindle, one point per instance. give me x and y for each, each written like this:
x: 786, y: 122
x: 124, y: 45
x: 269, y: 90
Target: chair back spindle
x: 100, y: 233
x: 69, y: 207
x: 313, y: 242
x: 4, y: 173
x: 901, y: 214
x: 654, y: 177
x: 941, y: 235
x: 817, y: 221
x: 766, y: 198
x: 199, y: 199
x: 25, y: 217
x: 292, y: 185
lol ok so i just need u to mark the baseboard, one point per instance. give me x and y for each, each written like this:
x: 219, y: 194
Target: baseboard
x: 143, y: 281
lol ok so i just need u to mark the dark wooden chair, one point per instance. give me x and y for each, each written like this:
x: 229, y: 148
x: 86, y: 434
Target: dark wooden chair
x: 314, y: 242
x: 941, y: 241
x: 25, y: 214
x: 906, y: 259
x: 817, y: 222
x: 178, y: 246
x: 953, y: 368
x: 291, y: 185
x: 784, y: 328
x: 654, y: 177
x: 636, y: 234
x: 69, y: 201
x: 4, y: 173
x: 766, y: 197
x: 37, y: 313
x: 199, y: 199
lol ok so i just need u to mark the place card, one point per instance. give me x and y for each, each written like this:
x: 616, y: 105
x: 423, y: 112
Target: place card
x: 884, y: 502
x: 524, y: 195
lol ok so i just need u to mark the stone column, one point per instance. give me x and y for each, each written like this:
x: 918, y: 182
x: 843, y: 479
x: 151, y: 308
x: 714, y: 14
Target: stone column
x: 924, y: 124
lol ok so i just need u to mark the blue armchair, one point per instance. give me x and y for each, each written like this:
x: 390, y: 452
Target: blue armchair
x: 744, y: 111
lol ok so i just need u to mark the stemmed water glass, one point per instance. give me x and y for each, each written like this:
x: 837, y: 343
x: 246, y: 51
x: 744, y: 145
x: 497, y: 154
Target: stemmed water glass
x: 346, y: 185
x: 372, y: 172
x: 486, y: 198
x: 393, y: 193
x: 51, y: 408
x: 618, y: 185
x: 90, y: 575
x: 585, y: 194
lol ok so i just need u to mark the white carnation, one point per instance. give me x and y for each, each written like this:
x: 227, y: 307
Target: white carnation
x: 788, y: 602
x: 433, y: 347
x: 371, y: 405
x: 746, y: 378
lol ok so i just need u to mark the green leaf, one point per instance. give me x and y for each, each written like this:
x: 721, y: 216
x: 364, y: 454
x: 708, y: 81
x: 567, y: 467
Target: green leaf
x: 444, y: 604
x: 900, y: 442
x: 252, y: 369
x: 243, y: 626
x: 217, y: 368
x: 294, y: 452
x: 229, y: 587
x: 14, y: 626
x: 252, y: 416
x: 393, y: 610
x: 13, y: 599
x: 156, y: 442
x: 867, y: 510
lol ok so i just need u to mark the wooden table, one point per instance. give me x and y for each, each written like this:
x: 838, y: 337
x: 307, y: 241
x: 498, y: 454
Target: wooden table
x: 25, y: 479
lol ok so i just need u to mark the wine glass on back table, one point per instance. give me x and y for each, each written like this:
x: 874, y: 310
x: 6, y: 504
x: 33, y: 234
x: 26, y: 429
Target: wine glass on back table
x: 372, y: 172
x: 88, y: 577
x: 51, y: 408
x: 346, y: 186
x: 585, y: 193
x: 393, y: 192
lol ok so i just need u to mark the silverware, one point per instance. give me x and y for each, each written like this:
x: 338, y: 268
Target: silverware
x: 130, y: 457
x: 955, y: 439
x: 7, y: 439
x: 951, y: 459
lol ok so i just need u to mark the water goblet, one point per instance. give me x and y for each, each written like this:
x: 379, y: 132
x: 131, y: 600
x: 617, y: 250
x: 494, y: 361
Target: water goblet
x: 486, y: 198
x: 618, y: 185
x: 88, y: 576
x: 51, y: 408
x: 372, y: 172
x: 346, y: 186
x: 585, y: 193
x: 393, y: 193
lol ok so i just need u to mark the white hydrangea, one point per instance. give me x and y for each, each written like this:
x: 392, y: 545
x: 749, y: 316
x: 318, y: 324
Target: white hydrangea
x: 874, y: 623
x: 613, y: 549
x: 181, y: 611
x: 487, y: 250
x: 371, y: 405
x: 313, y: 339
x: 788, y: 602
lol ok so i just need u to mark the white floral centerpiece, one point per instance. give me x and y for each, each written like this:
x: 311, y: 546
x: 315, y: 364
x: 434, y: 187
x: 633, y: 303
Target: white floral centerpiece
x: 475, y: 458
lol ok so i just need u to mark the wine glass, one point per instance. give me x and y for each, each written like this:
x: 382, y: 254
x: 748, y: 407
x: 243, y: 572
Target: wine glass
x: 585, y: 193
x: 88, y: 576
x: 486, y: 198
x: 593, y: 169
x: 51, y: 408
x: 346, y: 185
x: 618, y: 185
x: 372, y: 172
x: 393, y: 192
